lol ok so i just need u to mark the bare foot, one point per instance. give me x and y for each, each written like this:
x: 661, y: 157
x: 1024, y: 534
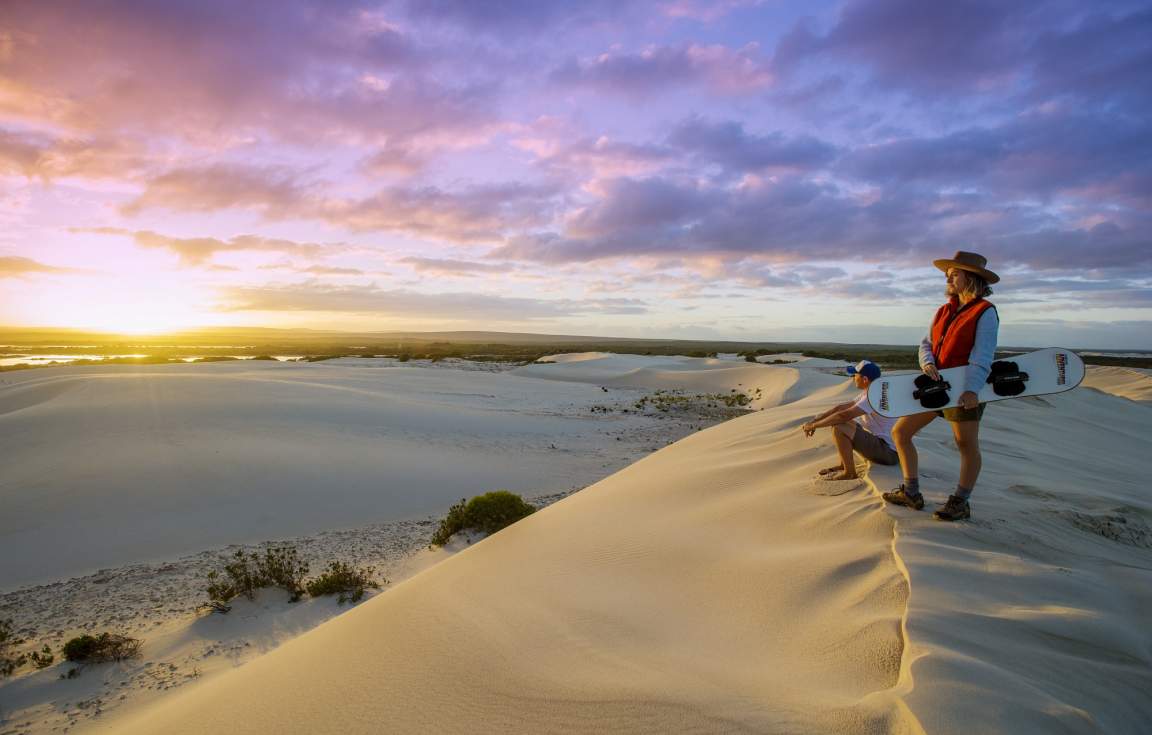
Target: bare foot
x: 830, y: 470
x: 844, y: 476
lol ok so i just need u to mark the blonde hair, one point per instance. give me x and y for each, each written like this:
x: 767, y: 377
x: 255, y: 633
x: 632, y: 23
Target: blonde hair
x: 976, y: 285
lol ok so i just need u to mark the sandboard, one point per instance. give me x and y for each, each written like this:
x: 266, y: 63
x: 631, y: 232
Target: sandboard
x: 1052, y: 370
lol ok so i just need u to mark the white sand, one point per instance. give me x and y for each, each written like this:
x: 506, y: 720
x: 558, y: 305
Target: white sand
x: 103, y: 466
x: 1130, y: 383
x: 715, y: 587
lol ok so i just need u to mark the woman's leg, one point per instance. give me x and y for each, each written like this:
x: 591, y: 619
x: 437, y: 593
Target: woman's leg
x: 967, y: 434
x: 906, y: 428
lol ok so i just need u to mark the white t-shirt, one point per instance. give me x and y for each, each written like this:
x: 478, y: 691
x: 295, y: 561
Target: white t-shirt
x: 876, y: 424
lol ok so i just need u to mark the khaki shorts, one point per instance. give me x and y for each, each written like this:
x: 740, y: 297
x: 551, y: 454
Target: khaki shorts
x: 873, y: 448
x: 958, y: 414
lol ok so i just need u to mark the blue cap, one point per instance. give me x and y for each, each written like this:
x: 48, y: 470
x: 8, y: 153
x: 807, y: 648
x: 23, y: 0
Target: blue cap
x: 867, y: 368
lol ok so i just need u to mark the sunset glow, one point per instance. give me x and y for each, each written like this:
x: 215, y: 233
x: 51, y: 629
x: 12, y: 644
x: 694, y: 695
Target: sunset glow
x: 676, y: 169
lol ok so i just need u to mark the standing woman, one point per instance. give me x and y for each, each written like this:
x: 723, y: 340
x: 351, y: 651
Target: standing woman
x: 963, y: 332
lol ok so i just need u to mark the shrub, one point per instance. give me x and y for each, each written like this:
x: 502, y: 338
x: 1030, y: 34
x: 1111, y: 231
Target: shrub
x: 101, y: 648
x: 43, y: 658
x: 344, y: 580
x: 487, y: 513
x: 9, y: 661
x: 280, y: 566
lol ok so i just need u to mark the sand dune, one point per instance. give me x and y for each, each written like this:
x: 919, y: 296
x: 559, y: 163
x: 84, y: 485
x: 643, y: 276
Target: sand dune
x: 768, y: 386
x: 109, y: 465
x: 1130, y: 383
x: 702, y: 589
x: 715, y: 586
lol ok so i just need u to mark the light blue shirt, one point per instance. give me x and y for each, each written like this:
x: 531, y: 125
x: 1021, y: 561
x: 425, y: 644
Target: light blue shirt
x: 982, y: 355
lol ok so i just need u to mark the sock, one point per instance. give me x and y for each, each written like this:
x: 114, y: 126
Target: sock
x: 912, y: 486
x: 962, y: 492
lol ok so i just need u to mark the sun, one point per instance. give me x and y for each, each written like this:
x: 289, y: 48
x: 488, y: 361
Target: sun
x: 127, y: 307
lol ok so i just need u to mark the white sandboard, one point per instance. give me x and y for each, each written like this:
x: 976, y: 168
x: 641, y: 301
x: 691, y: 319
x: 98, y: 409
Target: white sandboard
x: 1052, y: 370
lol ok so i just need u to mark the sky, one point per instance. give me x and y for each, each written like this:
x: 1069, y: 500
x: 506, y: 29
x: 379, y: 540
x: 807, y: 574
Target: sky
x: 750, y: 170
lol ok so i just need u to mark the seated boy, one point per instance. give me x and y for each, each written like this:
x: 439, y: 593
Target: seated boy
x: 871, y: 437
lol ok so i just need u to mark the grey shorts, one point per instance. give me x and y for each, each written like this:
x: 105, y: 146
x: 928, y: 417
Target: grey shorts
x: 873, y: 448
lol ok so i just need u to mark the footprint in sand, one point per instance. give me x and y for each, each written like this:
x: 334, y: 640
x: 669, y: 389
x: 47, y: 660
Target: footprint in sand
x: 824, y: 484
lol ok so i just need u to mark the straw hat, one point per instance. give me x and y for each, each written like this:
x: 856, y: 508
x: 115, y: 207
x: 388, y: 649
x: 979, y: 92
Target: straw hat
x: 971, y: 262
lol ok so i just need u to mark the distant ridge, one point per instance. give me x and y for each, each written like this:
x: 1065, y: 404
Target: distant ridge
x: 303, y: 338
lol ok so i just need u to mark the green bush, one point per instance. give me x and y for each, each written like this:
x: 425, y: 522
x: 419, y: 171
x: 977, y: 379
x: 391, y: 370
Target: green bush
x: 487, y: 513
x: 9, y: 661
x: 344, y: 580
x: 100, y: 648
x: 43, y: 658
x: 280, y: 566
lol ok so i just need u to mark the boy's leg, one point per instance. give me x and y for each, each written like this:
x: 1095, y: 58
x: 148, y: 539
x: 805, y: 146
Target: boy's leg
x: 843, y: 434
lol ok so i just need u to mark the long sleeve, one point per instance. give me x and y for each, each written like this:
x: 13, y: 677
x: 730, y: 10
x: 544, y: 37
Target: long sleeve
x: 926, y: 356
x: 983, y: 351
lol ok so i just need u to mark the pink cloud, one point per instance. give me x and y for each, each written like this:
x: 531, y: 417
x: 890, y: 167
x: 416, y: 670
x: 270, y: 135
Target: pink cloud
x: 199, y: 251
x: 452, y: 267
x: 274, y: 191
x: 40, y: 156
x: 18, y: 267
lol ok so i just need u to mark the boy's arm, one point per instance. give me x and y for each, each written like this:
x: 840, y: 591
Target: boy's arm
x: 839, y: 417
x: 835, y: 409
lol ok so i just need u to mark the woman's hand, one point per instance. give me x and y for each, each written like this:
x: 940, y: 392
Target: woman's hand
x: 808, y: 429
x: 931, y: 371
x: 969, y: 400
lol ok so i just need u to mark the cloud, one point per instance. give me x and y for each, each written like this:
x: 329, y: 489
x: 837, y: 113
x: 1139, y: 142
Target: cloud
x: 728, y: 145
x: 215, y: 71
x: 483, y: 212
x: 1100, y: 156
x: 600, y: 157
x: 36, y: 155
x: 17, y: 267
x: 519, y: 16
x: 275, y: 191
x: 1105, y: 59
x: 702, y: 10
x: 327, y: 270
x: 930, y: 48
x: 629, y: 204
x: 469, y: 213
x: 465, y: 307
x: 719, y: 68
x: 199, y: 251
x: 789, y: 220
x: 795, y: 219
x: 451, y: 267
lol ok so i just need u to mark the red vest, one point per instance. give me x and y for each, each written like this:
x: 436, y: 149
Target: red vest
x: 954, y: 331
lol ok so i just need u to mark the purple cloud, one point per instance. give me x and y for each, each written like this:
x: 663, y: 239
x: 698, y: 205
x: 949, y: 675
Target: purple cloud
x: 723, y: 69
x: 300, y: 70
x: 931, y: 48
x: 728, y: 145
